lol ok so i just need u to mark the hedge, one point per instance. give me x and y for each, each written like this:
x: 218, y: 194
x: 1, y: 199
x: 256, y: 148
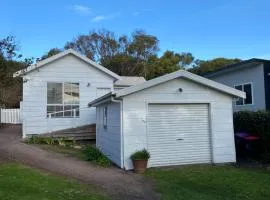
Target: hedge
x: 256, y: 123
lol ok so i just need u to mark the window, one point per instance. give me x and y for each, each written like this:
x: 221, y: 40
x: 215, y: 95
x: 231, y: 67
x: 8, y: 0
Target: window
x: 63, y: 98
x: 105, y: 117
x: 247, y: 88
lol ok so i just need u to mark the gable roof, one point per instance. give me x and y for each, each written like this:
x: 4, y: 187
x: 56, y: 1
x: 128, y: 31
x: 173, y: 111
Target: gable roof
x: 129, y: 81
x: 60, y: 55
x: 168, y: 77
x: 243, y: 64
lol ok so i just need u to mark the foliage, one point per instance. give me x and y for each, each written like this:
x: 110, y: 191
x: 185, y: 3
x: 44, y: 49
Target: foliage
x: 212, y: 65
x: 211, y: 183
x: 42, y: 140
x: 93, y: 154
x: 140, y: 155
x: 67, y: 142
x: 136, y: 55
x: 50, y: 53
x: 24, y: 183
x: 257, y: 123
x: 9, y: 48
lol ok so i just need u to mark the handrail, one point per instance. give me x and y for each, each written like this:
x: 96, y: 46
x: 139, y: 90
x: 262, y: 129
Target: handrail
x: 73, y: 111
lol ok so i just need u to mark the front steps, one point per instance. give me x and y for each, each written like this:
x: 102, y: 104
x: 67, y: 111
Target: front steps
x: 87, y: 132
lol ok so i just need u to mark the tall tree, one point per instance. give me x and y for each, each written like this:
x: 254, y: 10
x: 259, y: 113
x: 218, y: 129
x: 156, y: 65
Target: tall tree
x: 9, y: 48
x: 211, y: 65
x: 50, y: 53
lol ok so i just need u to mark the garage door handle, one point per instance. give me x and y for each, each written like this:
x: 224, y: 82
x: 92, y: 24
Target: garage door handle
x: 179, y: 139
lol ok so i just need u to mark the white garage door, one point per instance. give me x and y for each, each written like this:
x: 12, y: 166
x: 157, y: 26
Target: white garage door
x: 178, y: 134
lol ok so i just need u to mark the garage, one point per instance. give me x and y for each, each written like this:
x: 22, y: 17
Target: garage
x: 178, y: 134
x: 180, y: 118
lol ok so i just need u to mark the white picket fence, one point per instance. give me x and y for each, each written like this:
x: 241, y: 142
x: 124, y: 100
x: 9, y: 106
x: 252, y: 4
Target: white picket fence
x: 11, y: 116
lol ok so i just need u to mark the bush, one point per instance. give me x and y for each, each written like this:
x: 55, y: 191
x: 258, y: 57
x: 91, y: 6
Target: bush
x: 256, y: 123
x: 41, y: 140
x: 140, y: 155
x: 67, y: 142
x: 93, y: 154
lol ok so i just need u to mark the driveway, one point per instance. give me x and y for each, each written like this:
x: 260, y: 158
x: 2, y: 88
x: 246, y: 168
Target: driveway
x: 116, y: 182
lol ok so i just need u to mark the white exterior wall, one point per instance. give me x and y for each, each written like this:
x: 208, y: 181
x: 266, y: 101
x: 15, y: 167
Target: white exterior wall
x: 66, y: 69
x: 109, y: 140
x: 135, y: 108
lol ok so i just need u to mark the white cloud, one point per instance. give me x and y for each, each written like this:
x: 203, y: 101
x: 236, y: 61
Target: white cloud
x: 99, y: 18
x: 81, y: 9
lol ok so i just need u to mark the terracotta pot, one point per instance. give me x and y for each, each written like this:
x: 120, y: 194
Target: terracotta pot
x: 140, y: 165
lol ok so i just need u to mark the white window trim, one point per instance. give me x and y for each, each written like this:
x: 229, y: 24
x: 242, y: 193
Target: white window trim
x: 252, y: 94
x: 63, y: 104
x: 105, y: 117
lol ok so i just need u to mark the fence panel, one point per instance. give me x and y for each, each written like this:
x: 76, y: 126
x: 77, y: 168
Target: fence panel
x: 11, y: 116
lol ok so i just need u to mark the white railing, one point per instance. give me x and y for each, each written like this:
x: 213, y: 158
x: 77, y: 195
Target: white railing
x: 74, y: 113
x: 11, y: 116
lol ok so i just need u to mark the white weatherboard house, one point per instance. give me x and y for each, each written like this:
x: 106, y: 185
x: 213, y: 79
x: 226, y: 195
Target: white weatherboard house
x: 180, y: 118
x: 56, y: 92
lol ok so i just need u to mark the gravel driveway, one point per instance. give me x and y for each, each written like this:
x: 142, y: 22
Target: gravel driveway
x: 116, y: 182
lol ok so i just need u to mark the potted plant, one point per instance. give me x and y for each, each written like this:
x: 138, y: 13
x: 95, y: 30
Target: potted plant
x: 140, y: 159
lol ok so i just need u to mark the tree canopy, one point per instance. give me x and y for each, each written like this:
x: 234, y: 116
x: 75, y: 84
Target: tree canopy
x: 212, y: 65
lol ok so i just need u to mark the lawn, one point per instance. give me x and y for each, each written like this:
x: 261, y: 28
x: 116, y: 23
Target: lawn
x: 212, y: 183
x: 19, y: 182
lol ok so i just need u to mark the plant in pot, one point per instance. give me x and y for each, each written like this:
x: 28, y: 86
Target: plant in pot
x: 140, y: 159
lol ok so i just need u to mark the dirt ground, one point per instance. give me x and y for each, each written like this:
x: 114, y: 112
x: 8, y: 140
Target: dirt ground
x: 116, y: 182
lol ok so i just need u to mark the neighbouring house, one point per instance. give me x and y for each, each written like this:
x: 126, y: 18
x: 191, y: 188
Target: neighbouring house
x: 180, y: 118
x: 251, y: 76
x: 56, y: 92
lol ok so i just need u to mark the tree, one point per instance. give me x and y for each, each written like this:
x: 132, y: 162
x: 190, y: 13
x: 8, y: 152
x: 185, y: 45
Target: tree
x: 10, y: 88
x: 9, y: 48
x: 116, y: 52
x: 212, y: 65
x: 50, y: 53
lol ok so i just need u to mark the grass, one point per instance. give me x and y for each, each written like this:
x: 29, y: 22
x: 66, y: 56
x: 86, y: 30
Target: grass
x: 212, y: 183
x: 19, y: 182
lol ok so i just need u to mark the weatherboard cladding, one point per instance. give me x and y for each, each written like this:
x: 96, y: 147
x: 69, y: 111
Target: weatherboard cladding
x: 135, y: 116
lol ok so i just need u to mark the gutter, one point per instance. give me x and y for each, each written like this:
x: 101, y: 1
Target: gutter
x: 121, y: 131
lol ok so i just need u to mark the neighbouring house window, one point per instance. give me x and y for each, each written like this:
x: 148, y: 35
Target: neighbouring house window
x: 247, y: 88
x: 105, y: 117
x: 63, y: 98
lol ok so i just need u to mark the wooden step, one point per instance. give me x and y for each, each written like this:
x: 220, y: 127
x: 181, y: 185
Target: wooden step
x: 87, y: 132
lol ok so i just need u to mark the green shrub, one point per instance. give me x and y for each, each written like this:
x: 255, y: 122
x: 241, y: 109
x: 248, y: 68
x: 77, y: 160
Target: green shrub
x: 93, y: 154
x: 41, y: 140
x: 67, y: 142
x: 140, y: 155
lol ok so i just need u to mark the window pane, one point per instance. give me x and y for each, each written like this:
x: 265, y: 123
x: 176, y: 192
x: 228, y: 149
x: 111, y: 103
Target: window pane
x: 240, y: 101
x: 77, y: 111
x: 248, y: 91
x: 60, y: 110
x: 238, y: 87
x: 54, y: 93
x: 68, y: 112
x: 53, y: 110
x: 71, y: 93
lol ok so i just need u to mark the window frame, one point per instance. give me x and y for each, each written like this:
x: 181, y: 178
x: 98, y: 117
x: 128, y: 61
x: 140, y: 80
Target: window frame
x: 105, y: 117
x: 77, y: 114
x: 252, y: 94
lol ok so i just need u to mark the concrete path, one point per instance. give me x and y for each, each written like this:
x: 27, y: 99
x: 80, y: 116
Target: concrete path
x: 116, y: 182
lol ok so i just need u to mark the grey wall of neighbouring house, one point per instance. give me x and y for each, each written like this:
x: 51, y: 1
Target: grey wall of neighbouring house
x: 267, y: 84
x: 253, y: 74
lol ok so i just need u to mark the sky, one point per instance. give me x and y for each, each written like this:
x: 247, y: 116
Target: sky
x: 206, y: 28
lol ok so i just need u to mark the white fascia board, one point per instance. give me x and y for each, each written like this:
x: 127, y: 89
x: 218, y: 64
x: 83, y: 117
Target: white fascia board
x: 62, y: 54
x: 179, y: 74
